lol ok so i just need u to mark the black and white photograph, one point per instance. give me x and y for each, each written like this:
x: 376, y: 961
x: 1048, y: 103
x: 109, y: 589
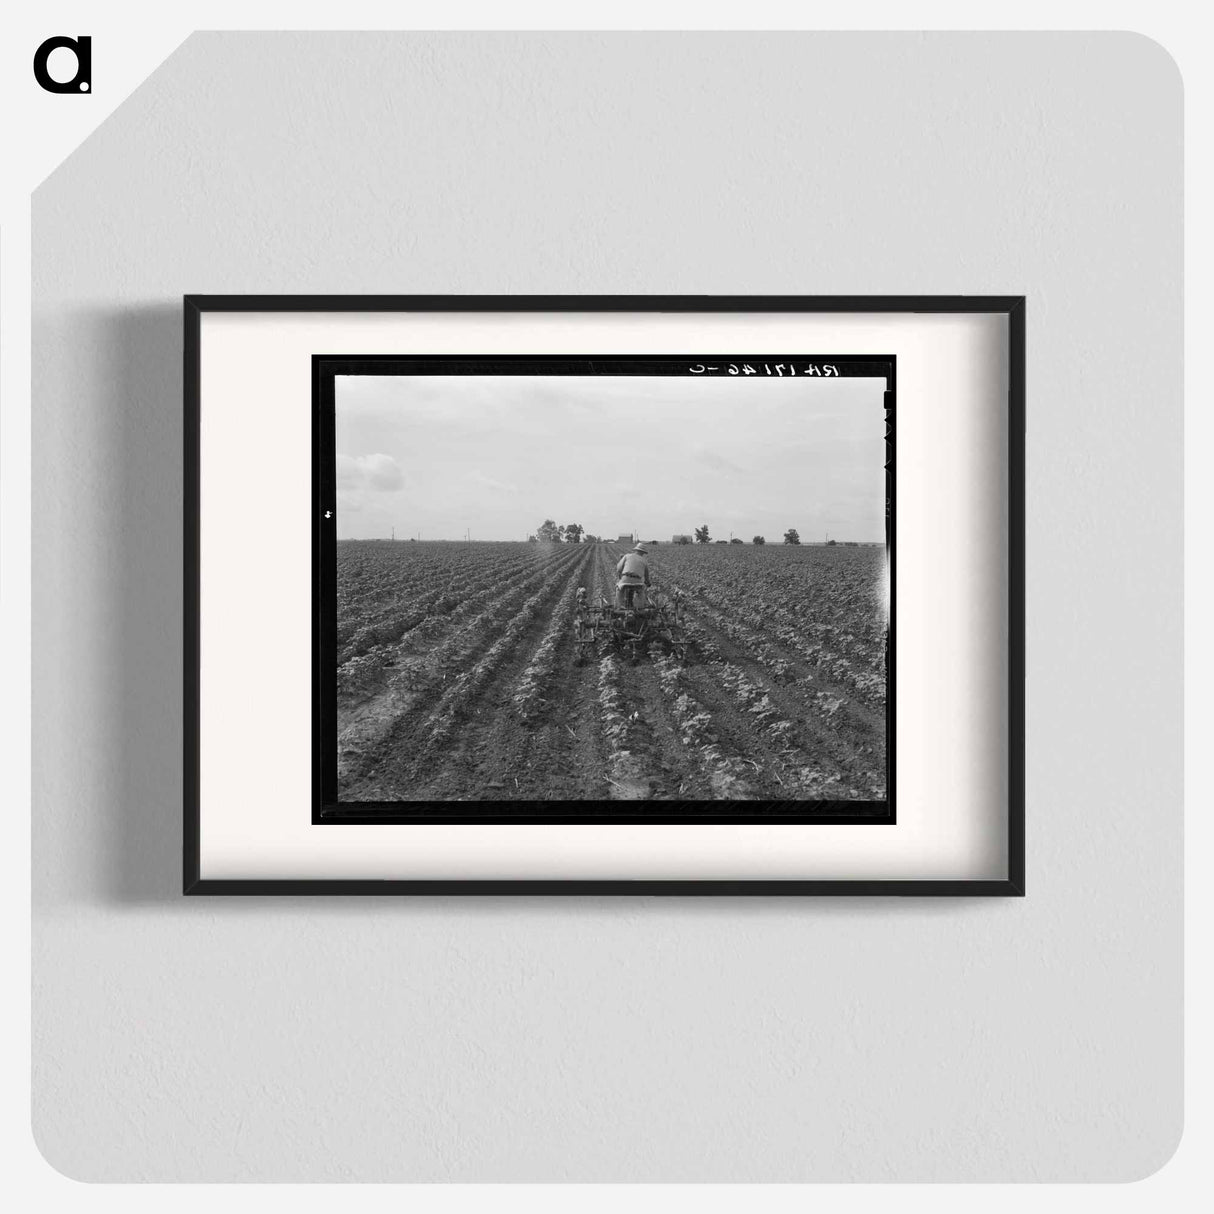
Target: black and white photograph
x: 610, y: 581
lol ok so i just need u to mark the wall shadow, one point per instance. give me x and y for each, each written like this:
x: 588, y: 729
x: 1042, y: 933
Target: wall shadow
x: 141, y: 399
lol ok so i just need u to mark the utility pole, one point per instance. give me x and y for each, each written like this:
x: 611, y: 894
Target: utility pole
x: 394, y: 535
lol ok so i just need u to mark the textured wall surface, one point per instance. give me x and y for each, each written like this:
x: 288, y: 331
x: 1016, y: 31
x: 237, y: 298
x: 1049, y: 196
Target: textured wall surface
x: 1035, y: 1039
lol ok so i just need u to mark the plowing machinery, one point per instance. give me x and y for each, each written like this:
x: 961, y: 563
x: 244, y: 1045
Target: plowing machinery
x: 606, y: 627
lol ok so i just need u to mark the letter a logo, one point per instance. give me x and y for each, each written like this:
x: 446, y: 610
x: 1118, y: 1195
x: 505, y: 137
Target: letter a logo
x: 82, y: 81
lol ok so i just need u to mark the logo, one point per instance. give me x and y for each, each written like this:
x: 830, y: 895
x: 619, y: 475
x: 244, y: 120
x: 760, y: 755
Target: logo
x: 82, y: 81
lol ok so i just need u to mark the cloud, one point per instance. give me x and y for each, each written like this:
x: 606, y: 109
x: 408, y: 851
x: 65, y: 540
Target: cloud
x: 380, y: 472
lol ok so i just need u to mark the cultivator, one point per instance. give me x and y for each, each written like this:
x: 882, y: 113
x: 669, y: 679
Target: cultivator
x: 603, y: 626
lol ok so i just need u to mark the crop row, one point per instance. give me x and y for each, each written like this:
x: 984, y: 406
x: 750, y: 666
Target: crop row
x: 726, y: 773
x: 528, y: 695
x: 471, y: 682
x: 398, y: 607
x: 625, y: 771
x: 797, y: 767
x: 754, y: 622
x: 466, y: 625
x: 372, y: 575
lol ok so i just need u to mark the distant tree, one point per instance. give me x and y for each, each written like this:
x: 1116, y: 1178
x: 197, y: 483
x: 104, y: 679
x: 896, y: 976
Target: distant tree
x: 831, y: 543
x: 531, y: 539
x: 573, y: 533
x: 548, y: 531
x: 682, y: 539
x: 735, y: 541
x: 791, y: 536
x: 702, y: 536
x: 758, y: 540
x: 590, y: 539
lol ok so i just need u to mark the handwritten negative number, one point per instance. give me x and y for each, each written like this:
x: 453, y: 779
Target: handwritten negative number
x: 778, y: 369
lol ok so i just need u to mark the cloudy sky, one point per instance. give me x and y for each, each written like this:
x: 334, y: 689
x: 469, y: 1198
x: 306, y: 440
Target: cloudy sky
x: 497, y: 455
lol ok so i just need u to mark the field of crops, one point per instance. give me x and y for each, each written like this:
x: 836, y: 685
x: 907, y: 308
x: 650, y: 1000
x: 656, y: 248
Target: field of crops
x: 458, y: 679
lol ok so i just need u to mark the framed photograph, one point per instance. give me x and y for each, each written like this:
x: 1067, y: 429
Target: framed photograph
x: 604, y: 595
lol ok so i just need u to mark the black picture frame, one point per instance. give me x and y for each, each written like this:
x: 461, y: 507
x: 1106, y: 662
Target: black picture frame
x: 1010, y: 307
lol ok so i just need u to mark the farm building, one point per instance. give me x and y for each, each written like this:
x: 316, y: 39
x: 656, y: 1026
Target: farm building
x: 624, y: 539
x: 680, y: 539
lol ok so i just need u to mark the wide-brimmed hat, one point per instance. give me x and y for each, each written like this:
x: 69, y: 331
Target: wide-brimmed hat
x: 640, y: 548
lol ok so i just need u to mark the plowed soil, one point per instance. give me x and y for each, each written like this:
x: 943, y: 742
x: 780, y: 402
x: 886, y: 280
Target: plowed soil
x: 483, y: 697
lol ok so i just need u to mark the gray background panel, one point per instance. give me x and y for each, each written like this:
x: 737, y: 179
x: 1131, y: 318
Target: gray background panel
x: 628, y: 1039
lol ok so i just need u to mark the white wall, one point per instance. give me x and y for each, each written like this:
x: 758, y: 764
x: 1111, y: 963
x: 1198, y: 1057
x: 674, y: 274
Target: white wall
x: 626, y: 1039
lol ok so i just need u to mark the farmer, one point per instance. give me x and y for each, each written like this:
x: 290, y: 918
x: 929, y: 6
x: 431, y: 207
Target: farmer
x: 633, y: 576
